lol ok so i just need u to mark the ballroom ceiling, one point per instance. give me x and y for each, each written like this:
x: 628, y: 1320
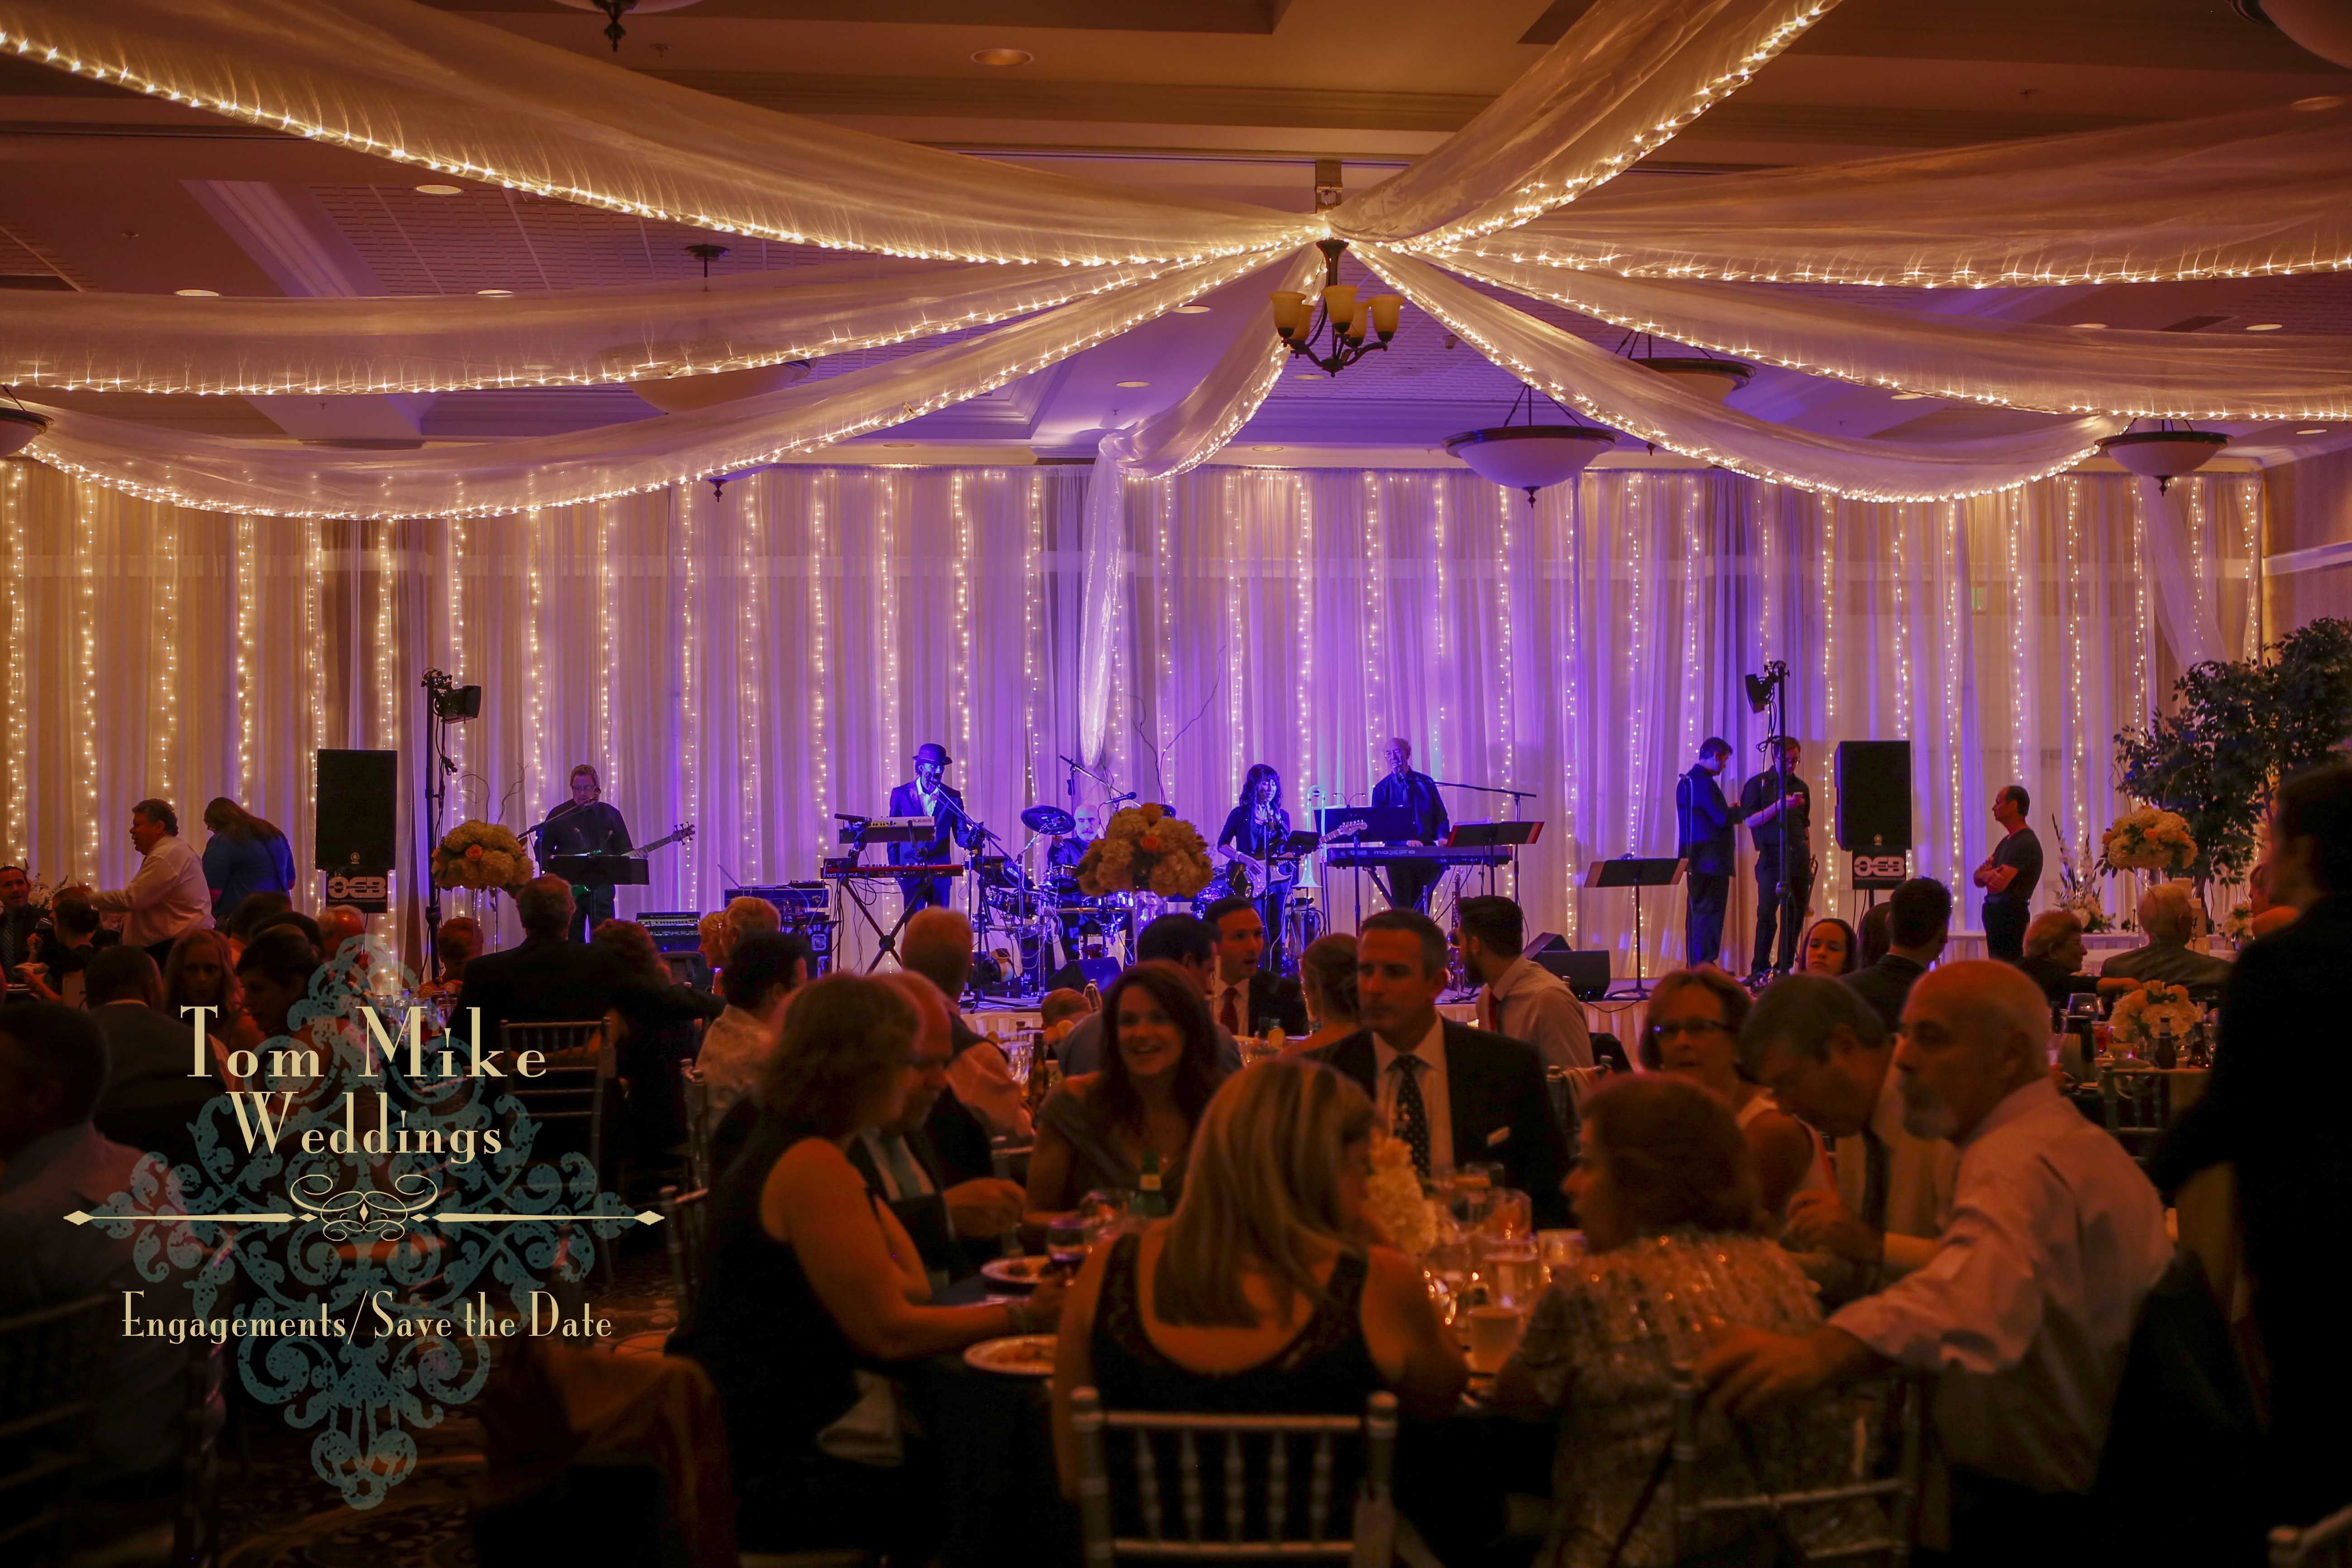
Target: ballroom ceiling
x: 1237, y: 98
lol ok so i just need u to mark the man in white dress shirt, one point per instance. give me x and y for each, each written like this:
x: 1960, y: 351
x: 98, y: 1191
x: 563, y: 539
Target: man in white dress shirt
x: 2026, y: 1309
x: 1519, y: 997
x: 168, y: 896
x: 1828, y: 1060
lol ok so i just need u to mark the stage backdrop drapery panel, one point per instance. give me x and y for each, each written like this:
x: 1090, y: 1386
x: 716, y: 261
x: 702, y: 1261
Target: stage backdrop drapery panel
x: 753, y: 661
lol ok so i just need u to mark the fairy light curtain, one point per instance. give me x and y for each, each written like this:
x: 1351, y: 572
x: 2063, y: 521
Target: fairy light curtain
x: 753, y: 662
x: 2255, y: 193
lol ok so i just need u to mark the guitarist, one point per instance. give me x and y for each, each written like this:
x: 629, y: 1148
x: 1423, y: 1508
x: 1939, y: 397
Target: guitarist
x: 1255, y: 832
x: 585, y: 825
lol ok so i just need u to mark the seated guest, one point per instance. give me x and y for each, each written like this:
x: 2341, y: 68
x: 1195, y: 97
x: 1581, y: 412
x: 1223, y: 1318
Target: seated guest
x: 53, y: 1161
x: 747, y: 916
x: 2053, y: 956
x: 167, y: 895
x: 937, y: 946
x: 1133, y: 1120
x: 2266, y: 912
x: 244, y: 856
x: 1189, y: 944
x: 759, y: 979
x: 955, y: 1223
x: 2169, y: 913
x: 1266, y: 1291
x: 20, y: 915
x: 1826, y: 1057
x: 150, y: 1096
x: 2026, y: 1309
x: 1831, y: 948
x: 339, y: 923
x: 454, y: 945
x: 302, y: 924
x: 2273, y: 1105
x: 1667, y: 1193
x: 658, y: 1017
x: 547, y: 978
x: 710, y: 946
x: 1058, y: 1012
x: 1326, y: 978
x: 1519, y: 997
x: 275, y: 970
x: 250, y: 912
x: 811, y: 1282
x: 1245, y: 997
x: 202, y: 973
x: 73, y: 937
x: 1696, y: 1016
x: 1451, y: 1093
x: 1873, y: 935
x: 1919, y: 920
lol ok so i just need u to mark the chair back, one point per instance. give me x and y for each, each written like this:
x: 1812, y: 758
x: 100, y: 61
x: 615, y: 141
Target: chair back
x: 685, y: 1221
x: 695, y: 1095
x: 2136, y: 1100
x: 2327, y: 1544
x: 567, y: 1097
x: 1890, y: 1479
x: 1607, y: 1047
x: 50, y: 1362
x: 1272, y: 1471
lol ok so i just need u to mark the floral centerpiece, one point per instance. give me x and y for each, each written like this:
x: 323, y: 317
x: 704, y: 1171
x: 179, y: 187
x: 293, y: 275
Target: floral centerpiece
x: 2149, y: 1011
x: 480, y: 854
x: 1143, y: 849
x: 2078, y: 892
x: 2149, y: 840
x: 1393, y: 1199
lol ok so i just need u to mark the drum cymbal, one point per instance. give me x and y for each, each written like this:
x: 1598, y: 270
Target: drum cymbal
x: 1051, y: 819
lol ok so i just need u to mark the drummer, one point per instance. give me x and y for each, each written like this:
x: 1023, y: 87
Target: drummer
x: 1070, y: 846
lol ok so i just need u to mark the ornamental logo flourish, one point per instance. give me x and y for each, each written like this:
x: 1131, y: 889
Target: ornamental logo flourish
x: 365, y: 1216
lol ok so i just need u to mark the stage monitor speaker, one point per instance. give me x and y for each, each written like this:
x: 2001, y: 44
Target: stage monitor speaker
x: 1873, y: 796
x: 1586, y: 971
x: 357, y: 825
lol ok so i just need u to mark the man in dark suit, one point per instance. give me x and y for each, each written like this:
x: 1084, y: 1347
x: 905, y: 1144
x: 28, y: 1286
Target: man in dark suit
x: 1454, y: 1094
x: 1404, y: 790
x: 1244, y: 997
x: 546, y: 979
x: 150, y: 1099
x: 1703, y: 821
x: 928, y: 794
x: 18, y: 916
x: 1919, y: 919
x: 2273, y: 1106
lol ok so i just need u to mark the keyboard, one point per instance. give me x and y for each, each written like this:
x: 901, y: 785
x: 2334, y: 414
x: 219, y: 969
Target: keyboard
x: 836, y: 871
x: 1383, y: 854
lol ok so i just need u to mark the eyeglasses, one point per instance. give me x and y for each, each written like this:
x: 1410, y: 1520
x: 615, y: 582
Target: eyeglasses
x: 1687, y: 1027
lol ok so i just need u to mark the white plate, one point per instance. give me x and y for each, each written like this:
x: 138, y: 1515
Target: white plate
x: 1016, y: 1270
x: 1021, y: 1355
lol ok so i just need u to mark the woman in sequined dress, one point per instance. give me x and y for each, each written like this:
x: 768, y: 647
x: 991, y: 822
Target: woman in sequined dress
x: 1666, y: 1189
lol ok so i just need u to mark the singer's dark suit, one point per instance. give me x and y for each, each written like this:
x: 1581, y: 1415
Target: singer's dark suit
x: 1702, y: 836
x: 1494, y: 1085
x: 905, y: 800
x: 1410, y: 880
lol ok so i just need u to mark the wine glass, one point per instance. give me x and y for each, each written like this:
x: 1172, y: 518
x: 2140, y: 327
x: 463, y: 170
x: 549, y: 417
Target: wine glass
x: 1067, y: 1239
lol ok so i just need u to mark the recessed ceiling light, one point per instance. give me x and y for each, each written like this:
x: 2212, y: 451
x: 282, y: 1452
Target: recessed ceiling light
x: 197, y: 293
x: 1194, y: 309
x: 2090, y: 326
x: 1909, y: 396
x: 2314, y: 431
x: 1308, y: 375
x: 440, y: 190
x: 1001, y: 57
x: 1135, y: 383
x: 898, y: 442
x: 2314, y: 105
x: 500, y: 291
x: 2265, y: 326
x: 1265, y: 448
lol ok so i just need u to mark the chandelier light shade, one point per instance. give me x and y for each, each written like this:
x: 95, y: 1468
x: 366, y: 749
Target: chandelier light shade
x: 2163, y: 455
x: 613, y: 10
x: 1530, y: 457
x: 1713, y: 379
x: 2322, y: 26
x: 1351, y: 320
x: 20, y: 429
x: 684, y: 394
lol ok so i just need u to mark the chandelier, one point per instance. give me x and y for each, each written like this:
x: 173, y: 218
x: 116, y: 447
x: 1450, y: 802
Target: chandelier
x: 614, y: 10
x: 1708, y: 375
x: 20, y: 427
x: 2164, y: 454
x: 1531, y: 456
x: 1350, y: 320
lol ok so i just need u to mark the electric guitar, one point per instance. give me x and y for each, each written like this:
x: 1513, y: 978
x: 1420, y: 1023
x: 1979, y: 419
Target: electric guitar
x: 1247, y: 877
x: 677, y: 834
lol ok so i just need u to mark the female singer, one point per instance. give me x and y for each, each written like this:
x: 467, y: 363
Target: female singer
x: 1255, y: 829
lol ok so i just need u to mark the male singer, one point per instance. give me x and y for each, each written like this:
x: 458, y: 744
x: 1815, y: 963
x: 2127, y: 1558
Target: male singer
x: 585, y: 825
x: 1410, y: 880
x: 1783, y: 892
x: 1703, y: 820
x: 928, y: 795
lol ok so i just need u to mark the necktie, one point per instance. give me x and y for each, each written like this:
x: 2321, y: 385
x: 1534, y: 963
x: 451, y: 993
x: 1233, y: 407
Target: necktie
x: 1231, y: 1017
x: 1411, y: 1116
x: 1875, y: 1162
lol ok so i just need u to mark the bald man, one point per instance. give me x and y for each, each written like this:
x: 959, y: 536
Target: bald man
x: 2026, y: 1307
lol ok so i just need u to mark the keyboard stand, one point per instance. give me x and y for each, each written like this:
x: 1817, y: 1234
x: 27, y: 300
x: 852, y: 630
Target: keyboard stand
x: 889, y: 948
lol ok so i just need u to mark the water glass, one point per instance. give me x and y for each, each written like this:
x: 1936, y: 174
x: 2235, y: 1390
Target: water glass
x: 1515, y: 1277
x: 1066, y: 1238
x: 1509, y: 1215
x: 1559, y: 1250
x: 1020, y: 1050
x: 1494, y: 1333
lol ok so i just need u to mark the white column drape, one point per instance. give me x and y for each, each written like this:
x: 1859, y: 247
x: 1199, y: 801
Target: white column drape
x: 755, y: 662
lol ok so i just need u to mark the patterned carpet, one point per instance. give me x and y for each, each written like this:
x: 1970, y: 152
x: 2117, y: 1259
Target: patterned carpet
x: 280, y: 1514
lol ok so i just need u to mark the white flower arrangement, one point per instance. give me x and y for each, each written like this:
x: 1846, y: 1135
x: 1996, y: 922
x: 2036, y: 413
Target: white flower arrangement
x: 2149, y: 840
x: 1393, y: 1198
x: 2146, y: 1012
x: 2240, y: 925
x: 2078, y: 892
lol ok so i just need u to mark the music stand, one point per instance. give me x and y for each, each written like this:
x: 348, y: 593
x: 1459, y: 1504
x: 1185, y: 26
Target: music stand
x: 1627, y: 871
x: 1509, y: 835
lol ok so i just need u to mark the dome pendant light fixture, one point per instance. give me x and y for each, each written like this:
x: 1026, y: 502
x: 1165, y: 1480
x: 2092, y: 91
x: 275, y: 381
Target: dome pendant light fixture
x: 613, y: 10
x: 1297, y: 322
x: 1530, y: 456
x: 684, y: 394
x: 20, y: 427
x: 2164, y: 454
x: 1707, y: 375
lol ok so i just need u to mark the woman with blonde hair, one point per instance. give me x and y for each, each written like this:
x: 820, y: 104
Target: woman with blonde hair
x: 1326, y: 974
x: 1266, y: 1291
x: 202, y: 973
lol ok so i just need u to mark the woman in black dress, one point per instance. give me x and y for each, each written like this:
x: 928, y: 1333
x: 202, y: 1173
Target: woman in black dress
x: 1257, y: 826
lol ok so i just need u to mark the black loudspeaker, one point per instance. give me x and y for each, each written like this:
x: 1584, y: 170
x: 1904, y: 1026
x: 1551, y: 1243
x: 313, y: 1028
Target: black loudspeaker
x: 1586, y: 972
x: 1873, y: 796
x: 357, y: 826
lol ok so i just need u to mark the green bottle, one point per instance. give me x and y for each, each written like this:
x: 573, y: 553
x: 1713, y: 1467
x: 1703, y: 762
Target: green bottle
x: 1151, y: 1198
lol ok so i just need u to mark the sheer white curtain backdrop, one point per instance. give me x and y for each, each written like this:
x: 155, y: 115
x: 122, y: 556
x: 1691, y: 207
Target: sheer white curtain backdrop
x: 755, y: 662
